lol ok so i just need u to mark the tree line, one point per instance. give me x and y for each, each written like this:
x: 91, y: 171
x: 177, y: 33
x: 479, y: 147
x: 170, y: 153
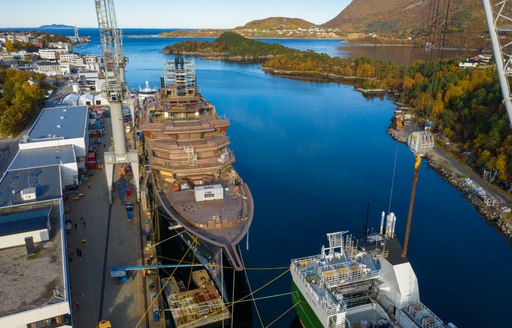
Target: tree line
x: 465, y: 105
x: 229, y: 44
x: 19, y: 99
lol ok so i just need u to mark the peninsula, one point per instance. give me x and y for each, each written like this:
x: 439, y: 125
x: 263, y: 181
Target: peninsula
x: 272, y: 27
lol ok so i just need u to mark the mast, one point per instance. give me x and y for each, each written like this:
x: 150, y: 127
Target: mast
x: 115, y: 83
x: 498, y: 18
x: 419, y: 143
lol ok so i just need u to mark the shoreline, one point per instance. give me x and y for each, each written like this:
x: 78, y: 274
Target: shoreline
x: 476, y: 190
x: 489, y: 200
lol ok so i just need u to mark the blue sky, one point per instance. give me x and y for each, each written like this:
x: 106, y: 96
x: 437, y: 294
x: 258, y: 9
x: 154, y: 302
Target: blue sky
x: 165, y: 13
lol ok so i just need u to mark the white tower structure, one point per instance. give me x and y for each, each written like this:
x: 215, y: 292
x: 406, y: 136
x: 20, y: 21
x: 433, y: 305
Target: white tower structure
x: 499, y: 16
x: 115, y: 83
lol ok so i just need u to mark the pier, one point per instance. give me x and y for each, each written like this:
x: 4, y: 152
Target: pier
x: 106, y: 238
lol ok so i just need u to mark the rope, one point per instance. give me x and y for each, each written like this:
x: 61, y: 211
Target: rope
x: 229, y: 267
x: 191, y: 269
x: 161, y: 289
x: 282, y: 315
x: 229, y: 304
x: 162, y: 241
x: 250, y: 289
x: 246, y: 296
x: 393, y: 179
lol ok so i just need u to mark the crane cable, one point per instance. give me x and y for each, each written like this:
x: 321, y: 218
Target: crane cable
x: 250, y: 294
x: 167, y: 239
x: 191, y: 268
x: 230, y: 267
x: 283, y: 314
x: 250, y: 289
x: 161, y: 289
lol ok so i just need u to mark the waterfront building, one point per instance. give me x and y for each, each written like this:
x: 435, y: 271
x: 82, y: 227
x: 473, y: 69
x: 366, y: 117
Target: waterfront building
x: 35, y: 282
x: 64, y: 156
x: 57, y: 127
x: 49, y: 68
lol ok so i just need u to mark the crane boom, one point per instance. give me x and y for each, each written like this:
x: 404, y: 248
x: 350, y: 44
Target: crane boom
x: 115, y: 83
x: 499, y: 17
x: 106, y: 24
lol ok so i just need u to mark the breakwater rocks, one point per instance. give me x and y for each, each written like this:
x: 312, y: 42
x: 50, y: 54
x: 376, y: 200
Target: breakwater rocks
x: 488, y: 206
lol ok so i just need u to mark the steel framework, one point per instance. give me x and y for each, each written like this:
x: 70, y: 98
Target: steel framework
x: 115, y: 82
x: 499, y: 22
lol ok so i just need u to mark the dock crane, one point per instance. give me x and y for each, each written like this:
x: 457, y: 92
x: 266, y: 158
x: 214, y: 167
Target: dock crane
x: 114, y: 64
x: 499, y: 18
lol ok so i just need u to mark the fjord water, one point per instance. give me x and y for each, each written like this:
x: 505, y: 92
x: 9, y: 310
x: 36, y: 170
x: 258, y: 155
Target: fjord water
x: 314, y: 154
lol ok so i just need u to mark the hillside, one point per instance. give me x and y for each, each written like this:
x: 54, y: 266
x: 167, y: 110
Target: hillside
x: 277, y: 23
x: 421, y: 20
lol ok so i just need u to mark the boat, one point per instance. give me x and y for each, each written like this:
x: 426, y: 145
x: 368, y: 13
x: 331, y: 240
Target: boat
x: 360, y: 283
x: 192, y: 170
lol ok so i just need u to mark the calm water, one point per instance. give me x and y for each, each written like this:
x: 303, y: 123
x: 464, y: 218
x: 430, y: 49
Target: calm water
x: 314, y: 154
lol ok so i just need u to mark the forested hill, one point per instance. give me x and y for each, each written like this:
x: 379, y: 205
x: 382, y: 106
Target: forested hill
x: 464, y: 20
x: 277, y: 23
x: 231, y: 46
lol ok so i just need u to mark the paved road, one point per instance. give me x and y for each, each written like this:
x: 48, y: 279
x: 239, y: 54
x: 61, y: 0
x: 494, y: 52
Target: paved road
x: 110, y: 240
x: 452, y: 164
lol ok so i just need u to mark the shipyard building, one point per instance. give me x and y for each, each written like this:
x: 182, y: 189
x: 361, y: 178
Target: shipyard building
x: 35, y: 282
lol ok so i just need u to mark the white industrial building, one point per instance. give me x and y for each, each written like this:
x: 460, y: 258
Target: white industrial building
x: 86, y: 99
x: 49, y: 68
x: 64, y: 156
x: 60, y: 126
x: 32, y: 242
x: 71, y: 99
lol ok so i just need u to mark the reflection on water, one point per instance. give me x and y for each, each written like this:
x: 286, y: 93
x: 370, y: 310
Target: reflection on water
x: 398, y: 54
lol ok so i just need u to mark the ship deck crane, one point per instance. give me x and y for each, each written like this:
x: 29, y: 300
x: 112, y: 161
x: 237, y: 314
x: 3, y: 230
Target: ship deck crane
x: 115, y: 84
x: 499, y: 18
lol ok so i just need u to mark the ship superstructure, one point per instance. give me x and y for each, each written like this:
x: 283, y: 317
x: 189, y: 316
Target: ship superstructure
x: 366, y: 285
x: 191, y: 164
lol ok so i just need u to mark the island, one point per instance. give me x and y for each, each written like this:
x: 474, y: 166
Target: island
x: 56, y: 26
x: 229, y: 46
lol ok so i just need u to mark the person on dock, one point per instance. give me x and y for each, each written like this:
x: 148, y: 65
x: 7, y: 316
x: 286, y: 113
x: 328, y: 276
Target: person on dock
x: 77, y: 306
x: 83, y: 241
x: 79, y: 252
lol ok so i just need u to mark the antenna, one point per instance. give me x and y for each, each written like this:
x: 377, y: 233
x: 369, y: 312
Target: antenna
x: 366, y: 223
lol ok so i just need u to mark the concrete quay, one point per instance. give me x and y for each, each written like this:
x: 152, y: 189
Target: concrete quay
x: 105, y: 238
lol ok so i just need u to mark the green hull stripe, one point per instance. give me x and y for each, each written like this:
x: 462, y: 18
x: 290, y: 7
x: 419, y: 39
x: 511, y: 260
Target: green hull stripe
x: 306, y: 314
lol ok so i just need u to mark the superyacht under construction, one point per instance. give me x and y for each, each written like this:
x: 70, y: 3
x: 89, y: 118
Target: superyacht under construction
x: 191, y: 164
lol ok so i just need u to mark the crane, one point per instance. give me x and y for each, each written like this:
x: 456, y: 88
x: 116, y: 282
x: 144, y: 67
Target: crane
x: 499, y: 16
x: 115, y: 88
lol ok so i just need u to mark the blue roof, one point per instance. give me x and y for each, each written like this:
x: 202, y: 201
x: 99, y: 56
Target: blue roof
x: 23, y: 222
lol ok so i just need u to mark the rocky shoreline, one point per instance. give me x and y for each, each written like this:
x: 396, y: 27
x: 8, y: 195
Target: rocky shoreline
x: 477, y: 194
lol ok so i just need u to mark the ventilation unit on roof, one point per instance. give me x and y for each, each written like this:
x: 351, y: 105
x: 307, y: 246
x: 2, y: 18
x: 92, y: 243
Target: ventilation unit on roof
x: 28, y: 193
